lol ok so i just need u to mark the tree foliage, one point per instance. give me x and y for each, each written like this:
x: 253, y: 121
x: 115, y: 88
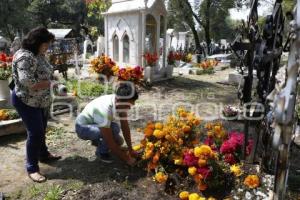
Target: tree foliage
x: 95, y: 19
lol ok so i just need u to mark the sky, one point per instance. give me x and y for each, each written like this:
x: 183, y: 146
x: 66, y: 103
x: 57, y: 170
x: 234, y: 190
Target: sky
x: 264, y: 9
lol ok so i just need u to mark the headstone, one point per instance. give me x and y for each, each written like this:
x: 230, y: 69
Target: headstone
x: 100, y: 46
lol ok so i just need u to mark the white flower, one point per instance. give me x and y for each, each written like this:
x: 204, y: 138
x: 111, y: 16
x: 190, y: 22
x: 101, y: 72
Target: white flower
x: 248, y: 195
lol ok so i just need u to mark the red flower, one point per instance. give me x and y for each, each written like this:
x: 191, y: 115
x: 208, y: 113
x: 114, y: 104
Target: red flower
x: 189, y: 159
x: 230, y: 159
x: 205, y: 172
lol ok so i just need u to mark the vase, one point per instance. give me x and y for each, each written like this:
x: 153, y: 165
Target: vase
x: 169, y: 70
x: 4, y: 91
x: 149, y: 74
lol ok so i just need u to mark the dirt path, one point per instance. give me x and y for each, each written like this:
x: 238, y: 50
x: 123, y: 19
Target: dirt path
x: 79, y: 175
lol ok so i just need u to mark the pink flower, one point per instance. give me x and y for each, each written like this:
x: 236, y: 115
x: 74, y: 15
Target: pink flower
x: 229, y: 146
x: 237, y: 137
x: 230, y: 159
x: 205, y: 172
x: 189, y: 159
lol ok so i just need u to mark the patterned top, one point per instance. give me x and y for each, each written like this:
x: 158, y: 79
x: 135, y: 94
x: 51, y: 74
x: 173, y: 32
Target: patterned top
x: 28, y: 70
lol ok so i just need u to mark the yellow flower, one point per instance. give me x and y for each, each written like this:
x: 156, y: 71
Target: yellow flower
x: 184, y: 195
x: 252, y: 181
x: 178, y: 161
x: 204, y: 150
x: 158, y: 126
x: 158, y: 134
x: 137, y: 147
x: 236, y: 170
x: 211, y: 198
x: 192, y: 170
x: 194, y: 196
x: 160, y: 177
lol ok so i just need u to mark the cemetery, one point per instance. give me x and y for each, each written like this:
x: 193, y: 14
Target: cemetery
x: 150, y: 99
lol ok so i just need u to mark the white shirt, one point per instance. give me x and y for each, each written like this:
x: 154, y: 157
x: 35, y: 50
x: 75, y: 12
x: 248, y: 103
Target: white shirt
x: 100, y: 111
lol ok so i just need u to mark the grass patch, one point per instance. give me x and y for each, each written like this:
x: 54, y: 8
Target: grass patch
x: 34, y: 191
x: 86, y: 88
x: 54, y: 193
x: 54, y: 133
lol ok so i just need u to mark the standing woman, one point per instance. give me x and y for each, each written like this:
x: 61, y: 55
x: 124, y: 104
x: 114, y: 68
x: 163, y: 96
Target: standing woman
x: 31, y: 96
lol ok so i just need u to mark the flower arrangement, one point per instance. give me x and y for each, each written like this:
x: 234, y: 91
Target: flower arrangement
x: 130, y: 74
x: 151, y: 59
x: 171, y: 58
x: 6, y: 114
x: 5, y: 66
x: 208, y: 64
x: 178, y: 56
x: 103, y: 65
x: 212, y: 165
x: 187, y: 58
x: 162, y: 146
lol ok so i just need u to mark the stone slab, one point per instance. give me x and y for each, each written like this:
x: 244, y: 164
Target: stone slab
x: 11, y: 127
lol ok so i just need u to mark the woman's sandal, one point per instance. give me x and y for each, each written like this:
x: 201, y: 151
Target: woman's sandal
x: 50, y: 158
x: 37, y: 177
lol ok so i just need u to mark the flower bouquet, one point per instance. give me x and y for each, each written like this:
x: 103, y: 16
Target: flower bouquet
x: 130, y: 74
x: 164, y: 143
x: 171, y: 58
x: 187, y: 58
x: 7, y: 114
x: 103, y: 65
x: 208, y: 66
x: 151, y: 59
x: 5, y: 66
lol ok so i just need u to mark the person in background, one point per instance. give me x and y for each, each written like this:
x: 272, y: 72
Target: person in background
x: 98, y: 123
x: 31, y: 96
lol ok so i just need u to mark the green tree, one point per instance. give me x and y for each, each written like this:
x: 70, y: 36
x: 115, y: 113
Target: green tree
x: 288, y: 5
x: 13, y: 17
x: 179, y: 16
x: 95, y: 19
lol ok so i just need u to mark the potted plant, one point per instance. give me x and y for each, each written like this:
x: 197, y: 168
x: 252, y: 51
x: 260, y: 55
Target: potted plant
x: 151, y: 60
x: 5, y: 74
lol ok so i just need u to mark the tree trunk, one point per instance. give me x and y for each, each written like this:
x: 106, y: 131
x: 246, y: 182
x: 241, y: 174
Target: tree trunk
x: 196, y: 37
x: 207, y: 26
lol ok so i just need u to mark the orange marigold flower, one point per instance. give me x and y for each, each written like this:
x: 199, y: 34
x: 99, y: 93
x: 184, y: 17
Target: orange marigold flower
x: 252, y: 181
x: 184, y: 195
x: 186, y: 129
x: 160, y: 177
x: 198, y: 178
x: 155, y: 158
x: 204, y: 150
x: 158, y: 126
x: 202, y: 162
x: 148, y: 132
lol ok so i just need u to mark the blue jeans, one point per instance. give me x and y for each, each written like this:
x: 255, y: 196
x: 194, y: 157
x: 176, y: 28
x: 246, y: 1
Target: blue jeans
x: 35, y: 120
x: 92, y: 132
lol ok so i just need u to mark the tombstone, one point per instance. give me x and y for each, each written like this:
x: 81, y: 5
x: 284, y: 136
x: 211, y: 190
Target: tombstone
x: 100, y: 46
x: 133, y: 28
x: 87, y: 47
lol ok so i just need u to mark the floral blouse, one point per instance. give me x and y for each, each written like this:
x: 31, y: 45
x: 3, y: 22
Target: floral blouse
x: 28, y: 70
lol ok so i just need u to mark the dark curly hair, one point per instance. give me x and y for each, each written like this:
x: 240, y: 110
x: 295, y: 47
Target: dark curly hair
x: 35, y: 38
x: 126, y: 91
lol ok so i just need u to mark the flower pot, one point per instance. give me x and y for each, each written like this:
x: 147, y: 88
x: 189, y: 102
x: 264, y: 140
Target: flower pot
x: 4, y: 90
x: 169, y: 70
x: 149, y: 74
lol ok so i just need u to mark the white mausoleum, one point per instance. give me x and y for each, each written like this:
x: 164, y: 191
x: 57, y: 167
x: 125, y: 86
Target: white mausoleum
x: 134, y: 27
